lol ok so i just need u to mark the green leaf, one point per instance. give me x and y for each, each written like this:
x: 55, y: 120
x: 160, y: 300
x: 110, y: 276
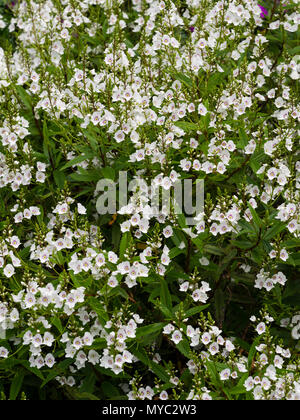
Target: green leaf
x: 257, y: 221
x: 183, y: 78
x: 184, y: 348
x: 108, y: 173
x: 242, y: 244
x: 81, y: 395
x: 175, y: 251
x: 195, y: 310
x: 59, y: 178
x: 56, y: 370
x: 295, y: 50
x: 219, y: 303
x: 149, y: 329
x: 99, y: 309
x: 124, y: 243
x: 252, y: 351
x: 239, y: 388
x: 165, y: 295
x: 25, y: 97
x: 212, y: 249
x: 16, y: 384
x: 76, y: 160
x: 46, y: 140
x: 109, y: 390
x: 89, y: 380
x: 291, y: 243
x: 57, y: 323
x: 31, y: 369
x: 243, y: 138
x: 91, y: 175
x: 141, y: 354
x: 186, y: 126
x: 99, y: 344
x: 274, y: 230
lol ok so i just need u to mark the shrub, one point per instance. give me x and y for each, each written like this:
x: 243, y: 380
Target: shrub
x: 148, y: 299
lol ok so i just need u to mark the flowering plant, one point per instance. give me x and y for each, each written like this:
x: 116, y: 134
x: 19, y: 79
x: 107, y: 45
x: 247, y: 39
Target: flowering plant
x: 106, y: 297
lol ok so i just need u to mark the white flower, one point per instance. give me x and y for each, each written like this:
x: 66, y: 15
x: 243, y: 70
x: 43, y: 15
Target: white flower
x: 176, y: 336
x: 87, y: 339
x: 249, y: 383
x: 9, y: 270
x: 93, y: 357
x: 225, y: 374
x: 283, y: 254
x: 163, y: 395
x: 229, y: 346
x: 213, y: 348
x: 202, y: 109
x: 261, y: 328
x: 15, y: 241
x: 14, y: 315
x: 204, y: 261
x: 112, y: 281
x: 3, y: 352
x: 48, y: 339
x: 49, y: 360
x: 168, y: 231
x: 81, y: 209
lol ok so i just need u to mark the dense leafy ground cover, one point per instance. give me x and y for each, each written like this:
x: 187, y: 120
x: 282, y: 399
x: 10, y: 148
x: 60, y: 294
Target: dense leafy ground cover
x: 139, y: 303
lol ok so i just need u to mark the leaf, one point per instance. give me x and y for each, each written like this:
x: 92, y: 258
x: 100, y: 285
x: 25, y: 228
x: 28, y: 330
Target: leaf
x: 212, y: 371
x: 76, y: 160
x: 149, y: 329
x: 243, y: 138
x: 91, y: 175
x: 184, y: 348
x: 59, y: 178
x: 183, y: 78
x: 56, y: 370
x: 57, y: 323
x: 124, y: 243
x: 108, y: 173
x: 181, y: 220
x: 291, y: 243
x: 195, y: 310
x: 214, y: 375
x: 219, y: 302
x: 46, y: 140
x: 295, y: 50
x: 239, y: 388
x: 257, y: 221
x: 31, y: 369
x: 165, y: 295
x: 242, y: 244
x: 25, y: 97
x: 99, y: 309
x: 252, y: 351
x: 92, y: 137
x: 16, y: 384
x: 99, y: 344
x: 274, y: 230
x: 186, y: 126
x: 258, y: 157
x: 109, y: 390
x: 81, y: 395
x: 212, y: 249
x: 156, y: 368
x: 175, y: 251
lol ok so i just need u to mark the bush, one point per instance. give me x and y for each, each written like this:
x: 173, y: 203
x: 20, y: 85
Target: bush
x: 107, y: 298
